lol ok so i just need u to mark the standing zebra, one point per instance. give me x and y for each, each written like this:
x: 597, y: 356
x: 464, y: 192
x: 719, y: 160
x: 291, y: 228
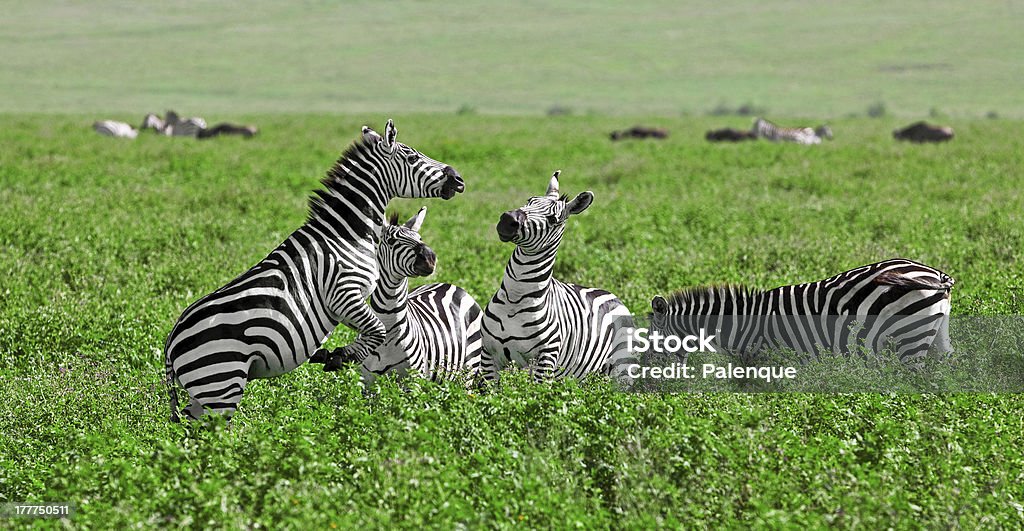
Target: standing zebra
x: 435, y: 330
x: 115, y: 129
x: 895, y: 301
x: 274, y: 316
x: 801, y: 135
x: 566, y: 329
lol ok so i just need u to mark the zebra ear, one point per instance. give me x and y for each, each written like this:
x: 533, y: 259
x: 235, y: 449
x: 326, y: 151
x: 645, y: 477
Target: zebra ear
x: 659, y: 304
x: 580, y: 203
x: 390, y: 134
x: 553, y: 185
x: 370, y: 136
x: 416, y: 221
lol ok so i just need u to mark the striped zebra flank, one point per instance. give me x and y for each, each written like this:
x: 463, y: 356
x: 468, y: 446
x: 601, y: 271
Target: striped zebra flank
x: 536, y: 320
x: 115, y: 129
x: 270, y: 319
x: 435, y: 330
x: 799, y: 135
x: 175, y: 126
x: 898, y: 304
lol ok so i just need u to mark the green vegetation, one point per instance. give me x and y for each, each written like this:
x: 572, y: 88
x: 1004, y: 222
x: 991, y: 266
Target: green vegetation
x: 789, y: 57
x: 104, y: 241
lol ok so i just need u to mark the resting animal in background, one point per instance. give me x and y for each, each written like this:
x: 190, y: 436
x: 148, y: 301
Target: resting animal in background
x: 729, y: 135
x: 154, y: 122
x: 435, y: 330
x: 800, y: 135
x: 922, y: 132
x: 272, y: 318
x: 112, y: 128
x: 566, y: 329
x: 175, y: 126
x: 897, y: 301
x: 639, y: 131
x: 225, y: 128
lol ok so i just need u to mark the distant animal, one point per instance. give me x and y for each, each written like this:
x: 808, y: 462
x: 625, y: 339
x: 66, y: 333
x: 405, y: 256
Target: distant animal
x: 898, y: 302
x: 270, y: 319
x: 534, y: 318
x: 116, y: 129
x: 175, y: 126
x: 800, y: 135
x: 435, y: 330
x: 639, y: 131
x: 729, y: 134
x: 923, y: 132
x: 154, y: 122
x: 225, y: 128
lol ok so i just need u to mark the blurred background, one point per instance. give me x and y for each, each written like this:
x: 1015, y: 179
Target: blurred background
x: 778, y: 57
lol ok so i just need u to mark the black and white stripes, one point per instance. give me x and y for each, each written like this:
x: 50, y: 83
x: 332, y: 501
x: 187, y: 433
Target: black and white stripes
x: 562, y: 329
x: 895, y: 303
x: 800, y: 135
x: 435, y: 330
x: 273, y: 317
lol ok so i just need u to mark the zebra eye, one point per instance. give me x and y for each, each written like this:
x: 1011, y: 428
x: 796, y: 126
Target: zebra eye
x: 552, y: 219
x: 412, y: 158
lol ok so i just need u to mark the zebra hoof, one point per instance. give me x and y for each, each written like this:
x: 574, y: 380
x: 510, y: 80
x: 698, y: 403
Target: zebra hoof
x: 319, y: 356
x: 334, y: 363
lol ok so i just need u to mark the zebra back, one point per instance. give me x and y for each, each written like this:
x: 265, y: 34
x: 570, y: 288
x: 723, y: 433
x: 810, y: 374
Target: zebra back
x: 115, y: 129
x: 899, y: 302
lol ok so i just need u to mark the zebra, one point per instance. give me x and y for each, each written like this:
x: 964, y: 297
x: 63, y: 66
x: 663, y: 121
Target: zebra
x: 154, y: 122
x: 801, y: 135
x: 271, y: 318
x: 175, y: 126
x: 566, y: 329
x: 225, y: 128
x: 895, y: 301
x: 115, y: 129
x: 435, y: 330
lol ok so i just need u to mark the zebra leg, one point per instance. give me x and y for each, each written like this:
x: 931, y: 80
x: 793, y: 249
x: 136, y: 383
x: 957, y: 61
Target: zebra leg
x: 371, y: 336
x: 545, y: 369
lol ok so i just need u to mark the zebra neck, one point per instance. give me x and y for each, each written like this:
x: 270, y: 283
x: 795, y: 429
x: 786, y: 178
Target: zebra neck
x: 390, y: 300
x: 351, y: 207
x: 528, y: 273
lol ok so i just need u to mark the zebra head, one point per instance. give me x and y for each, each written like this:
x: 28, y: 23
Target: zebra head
x: 401, y: 252
x: 409, y: 172
x: 539, y: 224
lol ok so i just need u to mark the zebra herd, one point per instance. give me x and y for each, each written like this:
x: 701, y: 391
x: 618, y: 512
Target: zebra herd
x: 173, y: 125
x: 278, y: 314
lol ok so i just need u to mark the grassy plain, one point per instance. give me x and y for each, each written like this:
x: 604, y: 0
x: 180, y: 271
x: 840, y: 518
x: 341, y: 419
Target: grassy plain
x: 103, y: 242
x: 789, y: 57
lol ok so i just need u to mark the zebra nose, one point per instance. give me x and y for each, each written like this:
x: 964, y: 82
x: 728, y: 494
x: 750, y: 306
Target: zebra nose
x: 428, y: 255
x: 508, y: 224
x: 454, y: 178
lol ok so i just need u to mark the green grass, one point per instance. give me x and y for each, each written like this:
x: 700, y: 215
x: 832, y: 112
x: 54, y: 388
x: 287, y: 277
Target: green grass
x: 104, y: 242
x: 789, y: 57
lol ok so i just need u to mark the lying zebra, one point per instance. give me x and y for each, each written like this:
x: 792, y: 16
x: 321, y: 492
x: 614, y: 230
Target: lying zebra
x: 435, y: 330
x: 566, y: 329
x: 114, y: 129
x: 895, y: 302
x: 801, y: 135
x: 270, y: 319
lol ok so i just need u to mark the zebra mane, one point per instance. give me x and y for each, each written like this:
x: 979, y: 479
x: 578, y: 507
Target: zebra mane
x: 393, y: 218
x: 691, y: 296
x: 319, y: 201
